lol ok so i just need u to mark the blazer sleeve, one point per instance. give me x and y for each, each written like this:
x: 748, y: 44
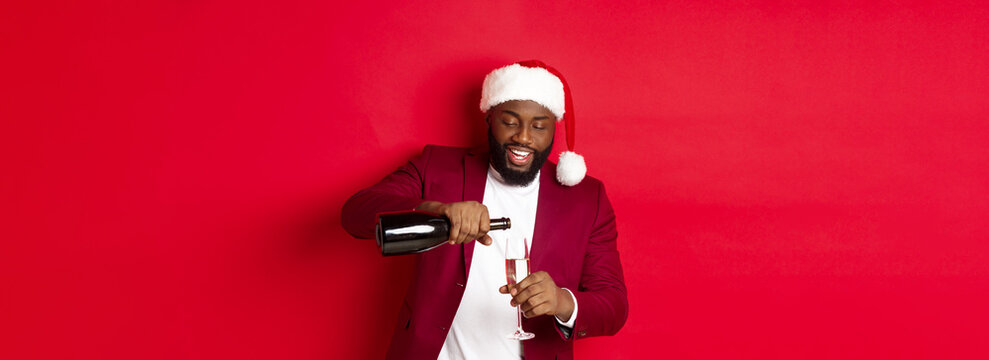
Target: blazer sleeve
x: 601, y: 293
x: 400, y: 190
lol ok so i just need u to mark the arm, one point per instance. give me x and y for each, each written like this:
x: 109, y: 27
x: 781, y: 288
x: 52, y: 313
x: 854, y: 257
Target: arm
x: 601, y: 292
x: 400, y: 190
x: 404, y: 190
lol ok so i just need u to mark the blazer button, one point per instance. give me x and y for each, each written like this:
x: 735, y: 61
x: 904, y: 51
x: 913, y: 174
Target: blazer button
x: 582, y: 333
x: 460, y: 285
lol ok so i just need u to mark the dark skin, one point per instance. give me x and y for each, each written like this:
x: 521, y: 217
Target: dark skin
x: 524, y: 127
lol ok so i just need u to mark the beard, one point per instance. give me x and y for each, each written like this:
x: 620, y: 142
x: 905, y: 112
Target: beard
x: 499, y: 159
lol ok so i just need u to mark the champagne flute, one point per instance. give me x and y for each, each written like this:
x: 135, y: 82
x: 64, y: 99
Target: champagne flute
x: 516, y: 269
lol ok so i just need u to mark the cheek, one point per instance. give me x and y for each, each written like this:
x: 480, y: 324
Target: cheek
x: 501, y: 134
x: 544, y: 140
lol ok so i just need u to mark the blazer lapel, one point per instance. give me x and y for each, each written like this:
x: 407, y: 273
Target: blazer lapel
x: 546, y: 208
x: 475, y: 176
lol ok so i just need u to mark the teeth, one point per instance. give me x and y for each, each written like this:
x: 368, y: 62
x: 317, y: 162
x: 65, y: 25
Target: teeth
x: 520, y: 153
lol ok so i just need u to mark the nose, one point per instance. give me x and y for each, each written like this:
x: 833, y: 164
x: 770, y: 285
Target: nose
x: 522, y: 136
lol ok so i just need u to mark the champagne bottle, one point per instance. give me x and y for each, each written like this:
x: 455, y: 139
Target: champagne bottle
x: 411, y: 232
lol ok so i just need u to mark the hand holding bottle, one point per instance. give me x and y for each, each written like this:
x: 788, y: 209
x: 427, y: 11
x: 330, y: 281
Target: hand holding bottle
x: 469, y: 220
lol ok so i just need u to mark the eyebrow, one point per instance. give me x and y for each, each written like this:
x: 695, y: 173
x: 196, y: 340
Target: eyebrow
x: 519, y: 117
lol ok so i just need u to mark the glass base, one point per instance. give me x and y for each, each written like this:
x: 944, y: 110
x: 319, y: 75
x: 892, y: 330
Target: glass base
x: 521, y: 335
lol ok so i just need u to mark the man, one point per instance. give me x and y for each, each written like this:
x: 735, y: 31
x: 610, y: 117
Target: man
x: 458, y: 305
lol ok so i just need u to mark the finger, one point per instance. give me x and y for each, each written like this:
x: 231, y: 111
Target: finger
x: 512, y: 290
x: 486, y: 240
x: 533, y: 278
x: 454, y: 229
x: 537, y: 302
x: 517, y: 289
x: 531, y: 296
x: 542, y: 309
x: 519, y: 297
x: 469, y: 230
x: 523, y: 295
x: 485, y: 223
x: 503, y: 289
x: 528, y: 304
x: 476, y: 232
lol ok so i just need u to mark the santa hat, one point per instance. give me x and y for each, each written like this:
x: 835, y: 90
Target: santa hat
x: 533, y: 80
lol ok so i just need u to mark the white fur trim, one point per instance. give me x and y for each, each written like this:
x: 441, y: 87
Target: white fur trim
x: 571, y: 168
x: 517, y: 82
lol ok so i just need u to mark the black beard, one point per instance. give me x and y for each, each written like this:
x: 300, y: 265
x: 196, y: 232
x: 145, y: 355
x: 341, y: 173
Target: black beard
x: 499, y: 159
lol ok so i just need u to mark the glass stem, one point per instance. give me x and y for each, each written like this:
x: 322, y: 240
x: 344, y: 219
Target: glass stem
x: 519, y: 308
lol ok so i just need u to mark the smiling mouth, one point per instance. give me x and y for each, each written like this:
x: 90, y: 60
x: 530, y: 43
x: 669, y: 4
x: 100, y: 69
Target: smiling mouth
x: 519, y: 157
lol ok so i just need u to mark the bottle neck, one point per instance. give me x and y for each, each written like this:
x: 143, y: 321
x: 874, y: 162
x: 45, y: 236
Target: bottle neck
x: 500, y: 224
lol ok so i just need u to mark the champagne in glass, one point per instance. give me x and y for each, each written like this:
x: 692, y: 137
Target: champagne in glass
x: 516, y: 269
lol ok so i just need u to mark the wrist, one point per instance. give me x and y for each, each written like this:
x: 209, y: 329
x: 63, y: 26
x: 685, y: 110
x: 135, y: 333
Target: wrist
x: 430, y: 206
x: 565, y: 309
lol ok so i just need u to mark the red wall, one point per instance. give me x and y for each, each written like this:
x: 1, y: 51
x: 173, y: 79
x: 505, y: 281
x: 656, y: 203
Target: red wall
x: 791, y: 181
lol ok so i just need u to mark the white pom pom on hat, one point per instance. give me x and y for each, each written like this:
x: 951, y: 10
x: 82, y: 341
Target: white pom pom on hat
x: 533, y: 80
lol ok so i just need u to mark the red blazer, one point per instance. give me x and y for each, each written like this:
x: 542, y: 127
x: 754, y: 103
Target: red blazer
x: 574, y: 241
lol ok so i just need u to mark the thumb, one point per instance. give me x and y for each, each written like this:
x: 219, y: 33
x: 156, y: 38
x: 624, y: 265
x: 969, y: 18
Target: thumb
x: 486, y: 240
x: 503, y: 289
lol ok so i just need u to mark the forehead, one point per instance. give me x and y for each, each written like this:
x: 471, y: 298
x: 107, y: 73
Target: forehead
x: 528, y: 108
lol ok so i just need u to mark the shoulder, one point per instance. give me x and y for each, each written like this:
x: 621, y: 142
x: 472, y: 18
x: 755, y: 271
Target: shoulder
x: 588, y: 187
x: 445, y: 151
x: 443, y: 159
x: 584, y: 203
x: 447, y: 155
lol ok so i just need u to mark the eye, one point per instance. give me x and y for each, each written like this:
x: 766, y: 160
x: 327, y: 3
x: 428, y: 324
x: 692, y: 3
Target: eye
x: 509, y: 123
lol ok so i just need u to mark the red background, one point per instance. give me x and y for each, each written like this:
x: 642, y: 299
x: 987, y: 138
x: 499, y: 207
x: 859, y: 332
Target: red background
x: 791, y: 181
